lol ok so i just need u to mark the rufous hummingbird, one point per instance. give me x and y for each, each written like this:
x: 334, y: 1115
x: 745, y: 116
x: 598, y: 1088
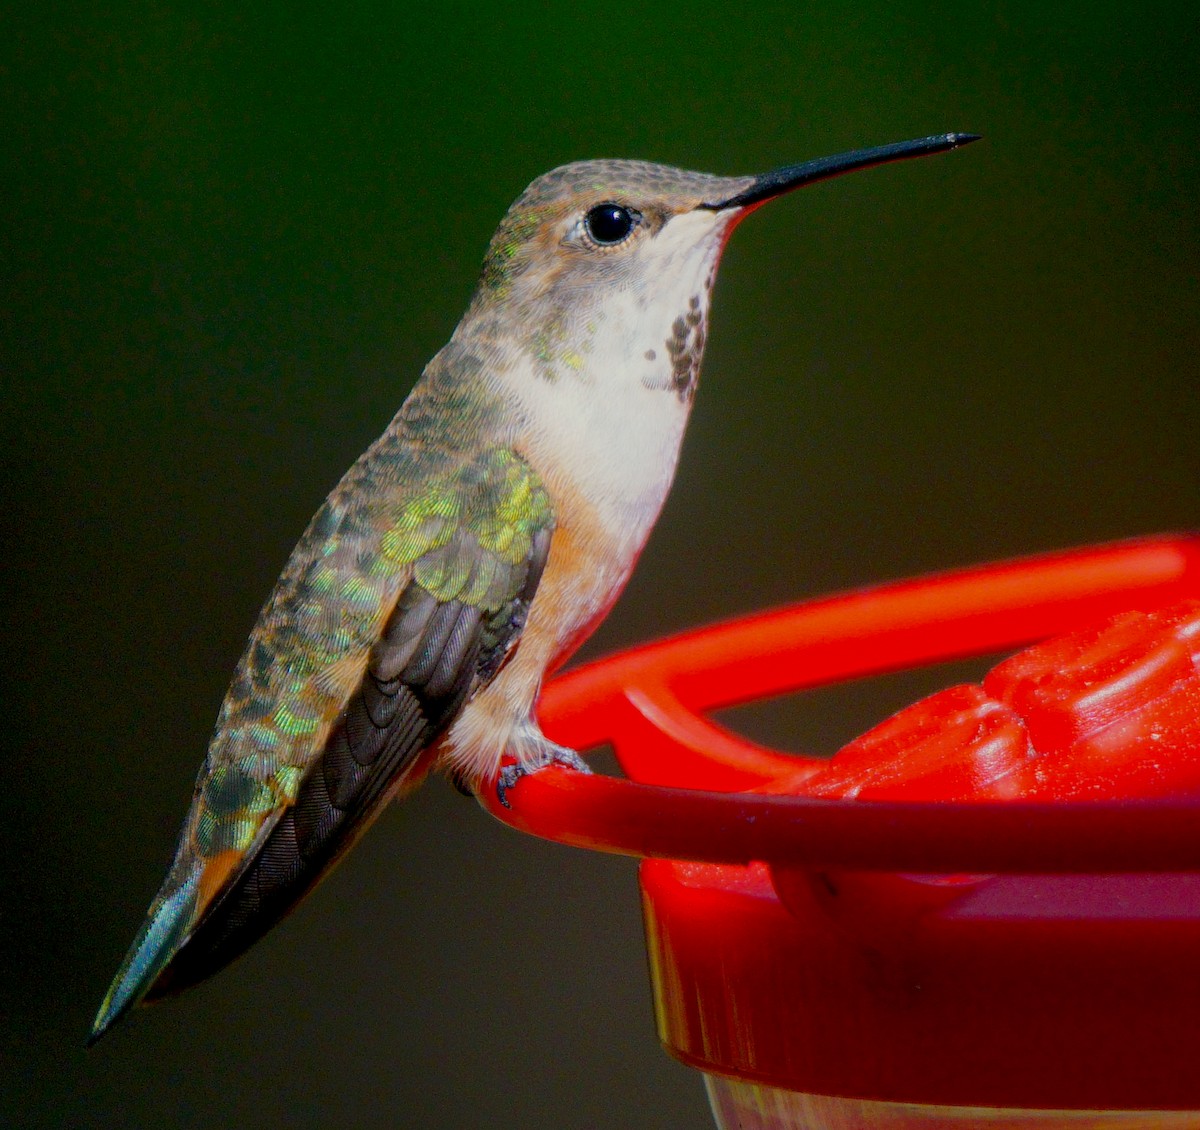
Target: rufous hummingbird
x: 468, y: 551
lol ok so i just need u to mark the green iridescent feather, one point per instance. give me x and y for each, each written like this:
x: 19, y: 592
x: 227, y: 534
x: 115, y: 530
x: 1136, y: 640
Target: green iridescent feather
x: 412, y: 511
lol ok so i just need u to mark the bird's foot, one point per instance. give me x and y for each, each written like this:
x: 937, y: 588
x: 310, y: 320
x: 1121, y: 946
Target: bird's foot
x: 546, y: 755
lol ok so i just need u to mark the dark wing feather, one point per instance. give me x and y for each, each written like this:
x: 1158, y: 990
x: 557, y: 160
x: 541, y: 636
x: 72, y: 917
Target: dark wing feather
x: 432, y: 654
x: 411, y: 583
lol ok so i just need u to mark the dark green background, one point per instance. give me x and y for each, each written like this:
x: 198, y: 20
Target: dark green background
x: 230, y: 241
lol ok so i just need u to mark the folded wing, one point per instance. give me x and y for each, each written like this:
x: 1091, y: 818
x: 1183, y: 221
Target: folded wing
x: 423, y: 605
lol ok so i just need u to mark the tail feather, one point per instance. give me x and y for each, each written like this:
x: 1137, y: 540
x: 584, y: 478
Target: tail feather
x: 159, y: 938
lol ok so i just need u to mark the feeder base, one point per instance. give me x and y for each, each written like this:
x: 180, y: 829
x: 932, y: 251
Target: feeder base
x: 741, y: 1105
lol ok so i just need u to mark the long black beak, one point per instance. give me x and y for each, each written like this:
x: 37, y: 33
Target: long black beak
x: 783, y: 180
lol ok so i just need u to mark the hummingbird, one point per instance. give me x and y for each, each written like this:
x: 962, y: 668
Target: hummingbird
x: 467, y: 553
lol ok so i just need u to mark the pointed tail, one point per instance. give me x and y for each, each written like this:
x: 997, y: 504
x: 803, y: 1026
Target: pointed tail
x: 160, y: 936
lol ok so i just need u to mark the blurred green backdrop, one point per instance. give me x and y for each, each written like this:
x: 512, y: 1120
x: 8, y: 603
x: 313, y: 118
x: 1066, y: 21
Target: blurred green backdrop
x: 231, y: 240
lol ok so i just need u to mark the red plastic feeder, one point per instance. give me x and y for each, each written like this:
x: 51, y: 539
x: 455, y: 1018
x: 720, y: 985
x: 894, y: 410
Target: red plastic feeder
x: 984, y: 912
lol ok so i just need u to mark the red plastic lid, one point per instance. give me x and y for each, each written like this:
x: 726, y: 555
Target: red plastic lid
x: 1053, y: 960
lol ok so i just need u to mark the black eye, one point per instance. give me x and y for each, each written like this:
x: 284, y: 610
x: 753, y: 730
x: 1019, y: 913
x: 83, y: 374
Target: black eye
x: 609, y: 223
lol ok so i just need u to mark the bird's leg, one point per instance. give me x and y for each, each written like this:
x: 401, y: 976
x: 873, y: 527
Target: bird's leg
x: 535, y: 756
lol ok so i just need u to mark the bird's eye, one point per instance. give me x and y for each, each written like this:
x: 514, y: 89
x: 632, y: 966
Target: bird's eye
x: 609, y: 224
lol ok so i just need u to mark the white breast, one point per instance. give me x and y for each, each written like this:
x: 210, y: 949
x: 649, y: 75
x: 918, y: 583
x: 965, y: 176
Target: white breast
x: 616, y: 448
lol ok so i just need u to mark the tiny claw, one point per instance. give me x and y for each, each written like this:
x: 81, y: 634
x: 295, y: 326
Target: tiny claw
x: 551, y: 755
x: 509, y: 776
